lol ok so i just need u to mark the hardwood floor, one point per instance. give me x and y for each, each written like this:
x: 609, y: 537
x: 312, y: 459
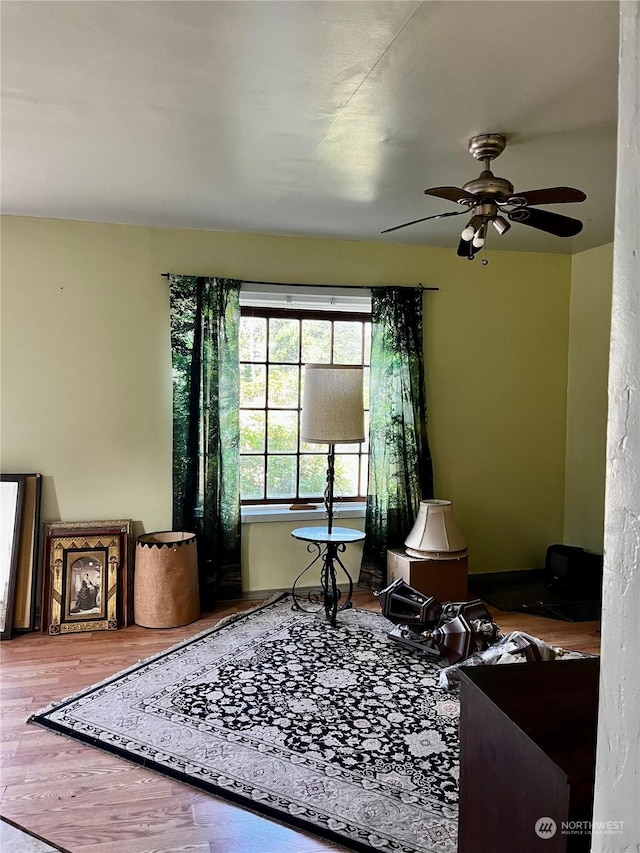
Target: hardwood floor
x: 85, y: 800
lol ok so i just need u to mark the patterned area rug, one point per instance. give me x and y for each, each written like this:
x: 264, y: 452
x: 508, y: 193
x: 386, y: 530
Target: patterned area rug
x: 337, y: 731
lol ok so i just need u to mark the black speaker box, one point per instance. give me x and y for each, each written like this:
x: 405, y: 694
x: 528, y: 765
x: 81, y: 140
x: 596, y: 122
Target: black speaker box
x: 574, y: 571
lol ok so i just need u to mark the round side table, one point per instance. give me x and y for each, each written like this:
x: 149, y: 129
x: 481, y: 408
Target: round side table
x: 327, y: 547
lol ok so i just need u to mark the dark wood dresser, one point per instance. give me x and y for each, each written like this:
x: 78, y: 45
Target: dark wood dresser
x: 527, y: 751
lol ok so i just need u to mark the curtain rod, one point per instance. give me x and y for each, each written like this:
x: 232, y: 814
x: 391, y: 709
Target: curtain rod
x: 420, y: 286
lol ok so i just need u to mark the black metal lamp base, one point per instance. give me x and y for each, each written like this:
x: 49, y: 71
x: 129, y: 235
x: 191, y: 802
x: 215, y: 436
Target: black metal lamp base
x: 329, y: 593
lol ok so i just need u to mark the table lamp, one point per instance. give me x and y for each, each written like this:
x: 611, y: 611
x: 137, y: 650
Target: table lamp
x: 435, y: 534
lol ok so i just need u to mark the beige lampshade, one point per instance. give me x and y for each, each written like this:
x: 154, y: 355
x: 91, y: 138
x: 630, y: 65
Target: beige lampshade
x: 435, y: 534
x: 332, y: 404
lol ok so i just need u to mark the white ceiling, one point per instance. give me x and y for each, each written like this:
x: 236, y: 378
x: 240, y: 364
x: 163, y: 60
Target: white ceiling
x: 309, y: 118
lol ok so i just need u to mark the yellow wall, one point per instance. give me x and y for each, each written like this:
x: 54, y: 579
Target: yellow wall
x: 272, y: 559
x: 496, y: 346
x: 86, y: 394
x: 590, y: 326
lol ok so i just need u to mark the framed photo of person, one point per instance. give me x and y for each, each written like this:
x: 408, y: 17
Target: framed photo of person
x: 87, y: 576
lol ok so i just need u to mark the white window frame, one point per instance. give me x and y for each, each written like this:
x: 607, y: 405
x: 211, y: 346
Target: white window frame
x: 314, y: 298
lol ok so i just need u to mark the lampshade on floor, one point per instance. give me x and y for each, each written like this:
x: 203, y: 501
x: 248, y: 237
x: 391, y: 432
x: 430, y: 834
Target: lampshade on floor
x: 166, y: 580
x: 435, y: 534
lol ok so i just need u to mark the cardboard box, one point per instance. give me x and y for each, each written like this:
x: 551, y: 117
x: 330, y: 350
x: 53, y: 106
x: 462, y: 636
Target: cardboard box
x: 445, y: 580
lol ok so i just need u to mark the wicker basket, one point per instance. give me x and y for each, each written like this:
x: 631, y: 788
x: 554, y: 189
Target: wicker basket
x: 166, y: 580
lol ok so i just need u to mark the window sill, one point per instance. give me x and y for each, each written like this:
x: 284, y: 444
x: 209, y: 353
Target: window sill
x: 259, y: 513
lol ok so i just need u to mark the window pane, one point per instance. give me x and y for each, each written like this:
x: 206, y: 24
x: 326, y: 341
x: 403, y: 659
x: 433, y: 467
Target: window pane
x: 252, y: 426
x: 253, y: 339
x: 275, y: 464
x: 312, y: 447
x: 282, y: 432
x: 365, y: 444
x: 349, y: 449
x: 316, y: 341
x: 281, y: 477
x: 253, y: 385
x: 346, y: 477
x: 313, y: 476
x: 347, y: 343
x: 284, y: 338
x: 251, y: 477
x: 283, y: 387
x: 364, y: 475
x: 366, y: 378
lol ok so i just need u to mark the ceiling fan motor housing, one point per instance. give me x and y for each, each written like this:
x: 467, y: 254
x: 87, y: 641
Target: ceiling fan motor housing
x: 489, y: 187
x: 487, y: 146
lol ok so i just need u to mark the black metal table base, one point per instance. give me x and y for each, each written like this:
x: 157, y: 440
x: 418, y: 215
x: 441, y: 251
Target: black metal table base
x: 329, y: 593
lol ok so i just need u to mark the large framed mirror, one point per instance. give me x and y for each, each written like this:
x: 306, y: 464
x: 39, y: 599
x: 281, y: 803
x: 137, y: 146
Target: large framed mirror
x: 11, y: 491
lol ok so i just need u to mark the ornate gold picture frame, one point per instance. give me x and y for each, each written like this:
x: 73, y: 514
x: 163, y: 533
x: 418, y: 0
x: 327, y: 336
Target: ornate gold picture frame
x: 86, y: 576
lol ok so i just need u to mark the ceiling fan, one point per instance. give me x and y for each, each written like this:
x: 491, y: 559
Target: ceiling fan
x: 487, y: 198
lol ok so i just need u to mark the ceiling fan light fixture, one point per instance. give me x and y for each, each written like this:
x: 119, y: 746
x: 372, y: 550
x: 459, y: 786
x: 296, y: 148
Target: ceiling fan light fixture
x: 479, y: 236
x: 500, y: 224
x: 474, y: 224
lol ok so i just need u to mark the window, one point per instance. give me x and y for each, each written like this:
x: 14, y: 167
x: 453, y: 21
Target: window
x: 275, y: 344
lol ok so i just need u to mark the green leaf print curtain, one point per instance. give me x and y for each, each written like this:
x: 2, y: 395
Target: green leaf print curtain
x: 205, y: 319
x: 400, y: 469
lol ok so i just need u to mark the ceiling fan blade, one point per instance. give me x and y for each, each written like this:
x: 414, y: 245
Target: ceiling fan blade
x: 545, y: 220
x: 424, y: 219
x: 552, y: 195
x: 451, y: 194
